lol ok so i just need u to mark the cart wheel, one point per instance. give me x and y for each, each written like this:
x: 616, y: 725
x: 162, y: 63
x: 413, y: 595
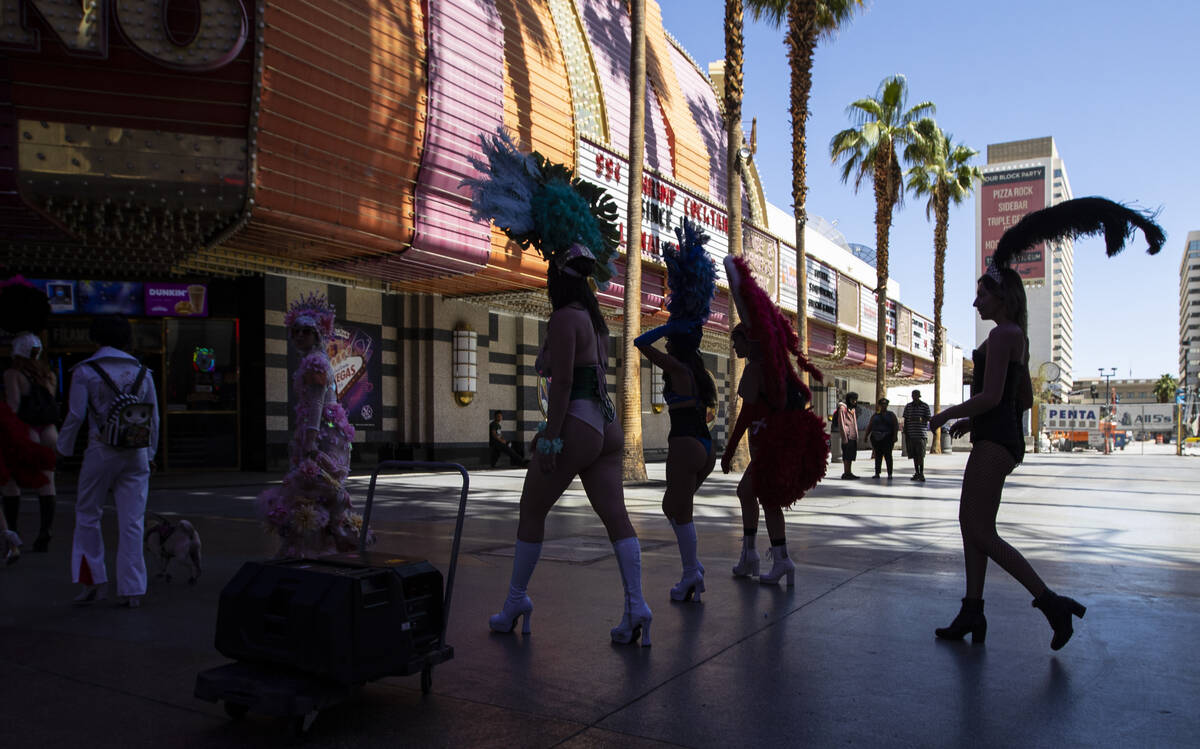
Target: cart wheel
x: 236, y: 710
x: 426, y: 679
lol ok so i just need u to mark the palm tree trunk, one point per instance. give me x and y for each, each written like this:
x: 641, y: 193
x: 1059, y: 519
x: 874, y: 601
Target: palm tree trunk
x: 941, y: 210
x: 633, y: 461
x: 883, y: 223
x: 801, y: 43
x: 732, y: 100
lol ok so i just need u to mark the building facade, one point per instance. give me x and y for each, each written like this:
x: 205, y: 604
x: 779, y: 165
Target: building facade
x: 1189, y: 315
x: 1021, y: 177
x: 321, y: 147
x: 1120, y: 391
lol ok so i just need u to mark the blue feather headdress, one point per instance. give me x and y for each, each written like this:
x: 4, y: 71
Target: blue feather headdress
x: 542, y: 204
x: 692, y: 277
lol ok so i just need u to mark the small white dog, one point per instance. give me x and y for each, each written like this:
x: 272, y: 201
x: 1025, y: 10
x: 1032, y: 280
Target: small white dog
x: 168, y: 540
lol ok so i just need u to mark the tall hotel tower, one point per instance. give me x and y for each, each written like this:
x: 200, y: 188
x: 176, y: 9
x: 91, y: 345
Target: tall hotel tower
x: 1189, y: 315
x: 1020, y: 177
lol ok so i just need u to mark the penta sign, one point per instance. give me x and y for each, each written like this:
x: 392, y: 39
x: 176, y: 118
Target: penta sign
x: 183, y: 34
x: 1072, y: 417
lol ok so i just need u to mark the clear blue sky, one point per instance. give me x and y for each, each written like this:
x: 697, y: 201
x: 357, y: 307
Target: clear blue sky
x: 1117, y: 85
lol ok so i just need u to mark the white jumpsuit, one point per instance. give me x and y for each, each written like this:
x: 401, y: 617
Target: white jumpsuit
x: 124, y: 472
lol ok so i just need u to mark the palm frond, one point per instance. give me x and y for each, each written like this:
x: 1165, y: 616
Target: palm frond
x: 1077, y: 218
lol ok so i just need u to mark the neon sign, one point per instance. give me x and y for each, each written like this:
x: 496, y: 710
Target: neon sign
x: 219, y: 35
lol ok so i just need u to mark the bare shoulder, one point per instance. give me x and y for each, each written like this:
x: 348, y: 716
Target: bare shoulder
x: 1007, y: 336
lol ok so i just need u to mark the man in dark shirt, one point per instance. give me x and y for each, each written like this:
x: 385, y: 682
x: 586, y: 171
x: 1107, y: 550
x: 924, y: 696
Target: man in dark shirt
x: 497, y: 444
x: 916, y: 423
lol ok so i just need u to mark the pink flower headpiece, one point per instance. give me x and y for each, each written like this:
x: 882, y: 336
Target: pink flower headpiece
x: 313, y: 311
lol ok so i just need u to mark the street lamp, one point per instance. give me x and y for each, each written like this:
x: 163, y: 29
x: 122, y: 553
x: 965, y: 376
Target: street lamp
x: 1107, y: 402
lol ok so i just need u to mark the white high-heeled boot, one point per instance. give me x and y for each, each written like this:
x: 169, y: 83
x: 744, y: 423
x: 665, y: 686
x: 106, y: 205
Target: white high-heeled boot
x: 691, y: 585
x: 518, y: 604
x: 781, y: 566
x: 636, y: 619
x: 747, y: 565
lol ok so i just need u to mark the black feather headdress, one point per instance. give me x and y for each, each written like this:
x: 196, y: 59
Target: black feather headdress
x: 1077, y: 218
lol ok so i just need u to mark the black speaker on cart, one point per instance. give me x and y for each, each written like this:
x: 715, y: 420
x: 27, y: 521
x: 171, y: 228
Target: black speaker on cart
x: 347, y: 617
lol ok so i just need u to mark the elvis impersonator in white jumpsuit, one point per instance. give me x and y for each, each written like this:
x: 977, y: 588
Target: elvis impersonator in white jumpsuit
x: 124, y: 471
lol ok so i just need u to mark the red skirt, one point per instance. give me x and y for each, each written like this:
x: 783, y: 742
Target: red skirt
x: 790, y: 452
x: 21, y: 459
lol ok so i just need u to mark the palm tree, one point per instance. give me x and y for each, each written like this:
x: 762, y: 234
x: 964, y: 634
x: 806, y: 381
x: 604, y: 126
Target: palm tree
x: 869, y: 152
x: 1164, y: 388
x: 940, y: 172
x: 808, y: 21
x: 732, y: 106
x: 633, y: 460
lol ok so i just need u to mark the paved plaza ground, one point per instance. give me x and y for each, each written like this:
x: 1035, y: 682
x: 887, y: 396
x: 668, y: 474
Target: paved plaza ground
x: 845, y: 658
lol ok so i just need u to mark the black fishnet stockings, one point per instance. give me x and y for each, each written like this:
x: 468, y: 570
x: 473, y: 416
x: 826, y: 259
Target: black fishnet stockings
x: 983, y: 482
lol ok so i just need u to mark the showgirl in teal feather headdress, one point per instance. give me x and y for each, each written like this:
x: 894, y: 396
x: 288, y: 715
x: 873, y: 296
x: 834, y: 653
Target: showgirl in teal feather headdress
x: 572, y: 224
x: 542, y: 204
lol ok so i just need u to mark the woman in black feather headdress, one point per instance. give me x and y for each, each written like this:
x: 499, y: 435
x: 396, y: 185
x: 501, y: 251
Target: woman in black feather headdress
x: 1001, y: 392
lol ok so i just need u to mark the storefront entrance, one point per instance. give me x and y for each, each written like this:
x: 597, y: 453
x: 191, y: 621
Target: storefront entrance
x: 197, y: 375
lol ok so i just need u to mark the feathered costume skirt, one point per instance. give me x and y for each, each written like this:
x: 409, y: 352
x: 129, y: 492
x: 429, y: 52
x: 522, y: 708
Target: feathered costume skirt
x: 21, y: 459
x: 789, y: 452
x: 310, y: 510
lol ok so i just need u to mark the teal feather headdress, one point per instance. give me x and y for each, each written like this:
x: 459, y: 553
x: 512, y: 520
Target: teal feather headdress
x: 541, y: 204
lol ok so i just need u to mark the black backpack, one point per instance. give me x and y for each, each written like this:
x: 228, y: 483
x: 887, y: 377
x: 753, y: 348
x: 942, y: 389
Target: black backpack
x: 127, y: 424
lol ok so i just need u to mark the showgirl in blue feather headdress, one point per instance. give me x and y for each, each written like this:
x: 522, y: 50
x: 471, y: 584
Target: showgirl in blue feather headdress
x: 689, y: 391
x: 573, y: 225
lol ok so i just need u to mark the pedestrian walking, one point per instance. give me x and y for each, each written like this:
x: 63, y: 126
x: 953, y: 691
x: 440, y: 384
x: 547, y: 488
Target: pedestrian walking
x: 28, y: 430
x: 112, y: 395
x: 1001, y: 392
x: 534, y: 202
x: 498, y: 445
x: 789, y: 449
x: 881, y: 433
x: 916, y: 425
x: 30, y: 389
x: 689, y: 391
x: 847, y: 420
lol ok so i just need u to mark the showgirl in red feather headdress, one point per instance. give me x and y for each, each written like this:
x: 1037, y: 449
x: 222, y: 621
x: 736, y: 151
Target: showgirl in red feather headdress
x: 789, y: 448
x: 23, y: 460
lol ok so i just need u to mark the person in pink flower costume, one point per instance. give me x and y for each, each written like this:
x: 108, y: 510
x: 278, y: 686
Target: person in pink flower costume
x: 310, y: 511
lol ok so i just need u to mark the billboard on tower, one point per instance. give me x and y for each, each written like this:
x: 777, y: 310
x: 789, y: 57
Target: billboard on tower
x: 1005, y: 198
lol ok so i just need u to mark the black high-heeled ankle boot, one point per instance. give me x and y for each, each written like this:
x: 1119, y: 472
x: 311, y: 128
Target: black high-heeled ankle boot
x: 12, y: 511
x: 970, y: 619
x: 46, y: 507
x: 1058, y: 610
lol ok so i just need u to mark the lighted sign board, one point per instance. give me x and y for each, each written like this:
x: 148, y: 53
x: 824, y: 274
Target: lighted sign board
x: 664, y: 206
x: 922, y: 336
x: 176, y: 299
x: 1005, y: 197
